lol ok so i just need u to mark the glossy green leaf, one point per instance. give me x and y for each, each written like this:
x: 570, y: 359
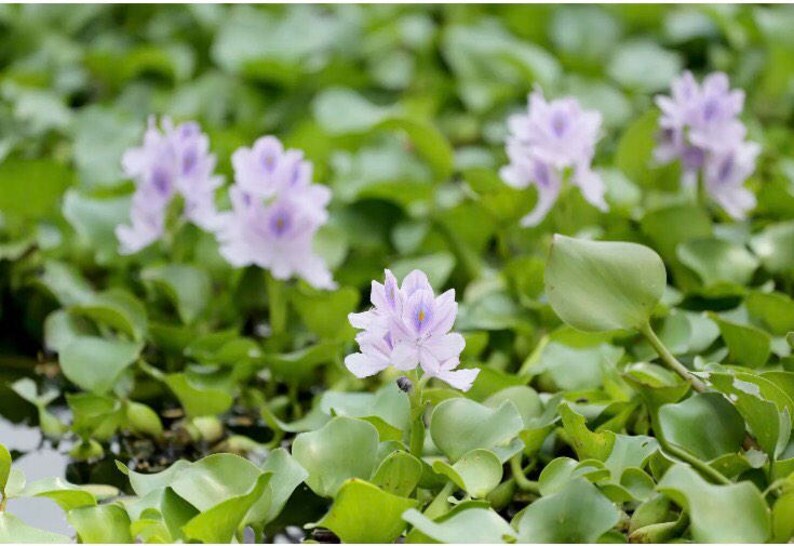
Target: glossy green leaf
x: 470, y: 523
x: 219, y: 523
x: 103, y: 524
x: 766, y: 409
x: 707, y: 425
x: 718, y: 261
x: 287, y: 475
x: 95, y: 364
x: 342, y: 449
x: 14, y: 531
x: 459, y: 426
x: 478, y: 472
x: 5, y: 468
x: 718, y: 513
x: 363, y: 513
x: 399, y: 473
x: 576, y: 513
x: 601, y: 286
x: 747, y: 345
x: 66, y: 495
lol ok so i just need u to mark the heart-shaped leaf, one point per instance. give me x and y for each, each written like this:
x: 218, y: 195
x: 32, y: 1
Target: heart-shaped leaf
x: 600, y: 286
x: 103, y: 524
x: 718, y: 513
x: 342, y: 449
x: 459, y: 426
x: 478, y: 472
x: 707, y: 425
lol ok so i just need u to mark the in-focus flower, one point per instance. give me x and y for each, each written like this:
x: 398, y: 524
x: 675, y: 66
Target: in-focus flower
x: 408, y: 326
x: 276, y: 212
x: 551, y: 140
x: 699, y: 126
x: 174, y: 160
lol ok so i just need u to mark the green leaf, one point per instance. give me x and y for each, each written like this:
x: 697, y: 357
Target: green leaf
x: 775, y: 247
x: 774, y: 310
x: 601, y: 286
x: 459, y: 425
x: 644, y: 66
x: 5, y: 468
x: 388, y: 408
x: 438, y: 267
x: 468, y: 522
x: 526, y: 400
x: 399, y: 473
x: 341, y: 111
x: 95, y: 220
x: 747, y: 345
x: 107, y: 523
x: 561, y: 471
x: 32, y: 188
x: 94, y: 416
x: 66, y: 495
x: 201, y: 393
x: 287, y: 475
x: 478, y: 472
x: 718, y: 513
x: 14, y: 531
x: 767, y: 410
x: 188, y: 287
x: 707, y: 425
x: 219, y: 523
x: 95, y: 364
x: 576, y: 513
x: 587, y: 444
x: 325, y: 313
x: 717, y: 261
x: 116, y: 308
x: 342, y: 449
x: 214, y: 479
x: 363, y: 513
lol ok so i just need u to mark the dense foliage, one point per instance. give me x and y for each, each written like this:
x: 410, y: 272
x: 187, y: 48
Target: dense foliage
x: 620, y: 366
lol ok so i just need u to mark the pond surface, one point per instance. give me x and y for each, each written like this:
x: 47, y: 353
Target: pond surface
x: 39, y: 460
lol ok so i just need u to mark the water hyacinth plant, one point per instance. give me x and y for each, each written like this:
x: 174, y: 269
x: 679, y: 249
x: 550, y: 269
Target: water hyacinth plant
x: 578, y: 219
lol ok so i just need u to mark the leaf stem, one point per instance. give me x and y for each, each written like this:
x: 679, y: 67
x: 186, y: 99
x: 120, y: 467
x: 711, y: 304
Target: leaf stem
x: 669, y: 360
x: 520, y: 478
x: 277, y: 306
x: 706, y: 470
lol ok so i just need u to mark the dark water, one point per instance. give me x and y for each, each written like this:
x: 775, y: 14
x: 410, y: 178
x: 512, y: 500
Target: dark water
x: 38, y: 460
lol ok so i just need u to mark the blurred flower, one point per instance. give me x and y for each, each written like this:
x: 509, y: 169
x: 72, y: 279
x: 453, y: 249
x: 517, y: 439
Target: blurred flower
x: 408, y: 327
x: 276, y: 211
x: 550, y: 140
x: 172, y: 161
x: 700, y: 127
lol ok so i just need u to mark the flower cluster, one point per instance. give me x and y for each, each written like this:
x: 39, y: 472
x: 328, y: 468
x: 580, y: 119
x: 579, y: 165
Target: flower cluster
x: 551, y: 139
x: 174, y: 160
x: 408, y: 327
x: 700, y: 127
x: 276, y: 211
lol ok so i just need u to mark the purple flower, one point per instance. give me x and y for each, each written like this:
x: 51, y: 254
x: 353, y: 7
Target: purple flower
x: 699, y: 126
x: 171, y: 161
x: 408, y: 327
x: 551, y: 139
x: 276, y: 212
